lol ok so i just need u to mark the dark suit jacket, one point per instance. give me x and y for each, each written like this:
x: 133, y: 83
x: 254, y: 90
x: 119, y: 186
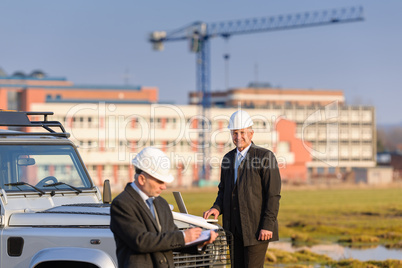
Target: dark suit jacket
x: 258, y: 186
x: 139, y: 243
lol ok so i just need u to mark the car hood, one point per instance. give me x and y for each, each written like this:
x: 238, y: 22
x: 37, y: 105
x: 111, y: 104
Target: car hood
x: 84, y: 215
x: 78, y: 215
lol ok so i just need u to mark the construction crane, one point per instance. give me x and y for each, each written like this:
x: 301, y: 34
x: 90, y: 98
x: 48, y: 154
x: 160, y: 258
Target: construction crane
x: 199, y: 35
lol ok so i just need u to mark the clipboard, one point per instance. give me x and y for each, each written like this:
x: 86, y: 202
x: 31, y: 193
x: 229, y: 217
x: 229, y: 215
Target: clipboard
x: 205, y: 236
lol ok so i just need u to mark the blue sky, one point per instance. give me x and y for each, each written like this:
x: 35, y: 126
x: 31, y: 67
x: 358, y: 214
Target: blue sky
x: 99, y: 42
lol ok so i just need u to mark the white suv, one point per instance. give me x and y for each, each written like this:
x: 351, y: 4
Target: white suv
x: 52, y: 215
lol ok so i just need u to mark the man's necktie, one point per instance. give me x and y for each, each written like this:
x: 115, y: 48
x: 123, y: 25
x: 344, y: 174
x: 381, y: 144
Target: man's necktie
x: 150, y: 203
x: 239, y: 157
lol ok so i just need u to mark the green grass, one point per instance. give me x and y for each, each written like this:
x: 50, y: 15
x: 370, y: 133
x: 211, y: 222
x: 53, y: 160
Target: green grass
x: 325, y: 215
x: 361, y: 217
x: 331, y: 214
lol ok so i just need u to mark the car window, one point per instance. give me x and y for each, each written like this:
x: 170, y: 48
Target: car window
x: 41, y: 165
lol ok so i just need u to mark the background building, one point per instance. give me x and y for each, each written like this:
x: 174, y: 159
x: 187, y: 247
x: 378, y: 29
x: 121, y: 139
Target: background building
x: 264, y: 97
x: 342, y: 137
x: 19, y: 91
x: 313, y: 133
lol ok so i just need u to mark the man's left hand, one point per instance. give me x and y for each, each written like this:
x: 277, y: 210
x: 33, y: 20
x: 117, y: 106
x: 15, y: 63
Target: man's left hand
x: 212, y: 238
x: 265, y: 235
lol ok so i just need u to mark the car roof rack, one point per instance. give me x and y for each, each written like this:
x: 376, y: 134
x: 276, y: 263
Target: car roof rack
x: 21, y: 119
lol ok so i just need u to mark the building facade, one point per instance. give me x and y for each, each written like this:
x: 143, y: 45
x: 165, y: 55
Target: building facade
x: 341, y: 136
x: 261, y: 97
x: 110, y: 135
x: 313, y: 136
x: 18, y: 92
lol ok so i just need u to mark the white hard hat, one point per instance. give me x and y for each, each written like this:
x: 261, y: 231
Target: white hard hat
x: 239, y: 120
x: 154, y: 162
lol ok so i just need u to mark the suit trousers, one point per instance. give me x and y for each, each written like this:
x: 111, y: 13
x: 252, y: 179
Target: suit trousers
x: 248, y: 257
x: 244, y: 257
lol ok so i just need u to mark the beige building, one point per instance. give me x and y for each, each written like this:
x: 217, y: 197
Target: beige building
x: 338, y: 137
x: 342, y: 136
x: 112, y: 123
x: 270, y: 97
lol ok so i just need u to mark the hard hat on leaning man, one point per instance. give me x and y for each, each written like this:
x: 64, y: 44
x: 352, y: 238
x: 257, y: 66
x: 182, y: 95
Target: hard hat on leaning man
x: 239, y: 120
x: 154, y: 162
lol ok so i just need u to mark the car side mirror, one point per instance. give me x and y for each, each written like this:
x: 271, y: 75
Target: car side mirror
x: 107, y: 193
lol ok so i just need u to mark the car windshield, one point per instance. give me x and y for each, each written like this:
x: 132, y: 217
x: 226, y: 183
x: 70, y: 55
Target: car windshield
x: 41, y: 166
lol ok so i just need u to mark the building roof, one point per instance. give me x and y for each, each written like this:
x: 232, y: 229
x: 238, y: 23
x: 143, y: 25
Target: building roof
x: 75, y: 87
x: 32, y: 78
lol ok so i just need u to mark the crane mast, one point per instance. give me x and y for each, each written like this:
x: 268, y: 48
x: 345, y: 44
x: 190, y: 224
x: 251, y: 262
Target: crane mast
x: 199, y: 35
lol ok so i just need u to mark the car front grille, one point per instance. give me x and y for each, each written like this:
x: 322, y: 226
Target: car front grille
x: 216, y: 254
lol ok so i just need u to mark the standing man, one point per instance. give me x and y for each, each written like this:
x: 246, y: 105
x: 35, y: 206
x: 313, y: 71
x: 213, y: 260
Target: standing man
x: 248, y: 195
x: 141, y: 220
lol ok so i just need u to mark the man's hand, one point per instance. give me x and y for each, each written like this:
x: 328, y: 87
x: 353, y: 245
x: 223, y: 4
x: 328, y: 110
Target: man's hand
x: 192, y: 234
x: 265, y: 235
x: 212, y: 238
x: 211, y: 211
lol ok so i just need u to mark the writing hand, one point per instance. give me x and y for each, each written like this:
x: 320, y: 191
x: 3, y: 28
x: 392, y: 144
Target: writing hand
x: 212, y: 238
x: 192, y: 234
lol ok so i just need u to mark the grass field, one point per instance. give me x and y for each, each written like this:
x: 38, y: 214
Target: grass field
x: 355, y: 215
